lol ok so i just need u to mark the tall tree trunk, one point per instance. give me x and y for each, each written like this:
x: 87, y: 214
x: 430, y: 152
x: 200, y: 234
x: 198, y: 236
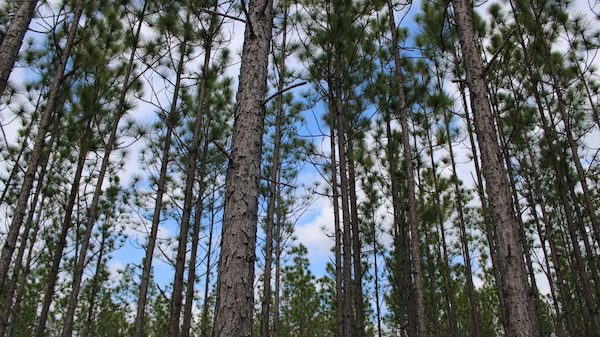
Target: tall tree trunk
x: 189, y: 291
x: 190, y: 174
x: 273, y: 197
x: 563, y: 292
x: 513, y: 283
x: 534, y: 292
x: 38, y: 147
x: 278, y: 251
x: 464, y: 240
x: 340, y: 114
x: 96, y: 286
x: 339, y: 315
x: 9, y: 48
x: 204, y: 320
x: 61, y: 241
x: 234, y: 308
x: 359, y: 321
x: 446, y: 273
x: 161, y: 189
x: 403, y: 263
x: 176, y: 300
x: 19, y: 275
x: 92, y: 215
x: 410, y: 182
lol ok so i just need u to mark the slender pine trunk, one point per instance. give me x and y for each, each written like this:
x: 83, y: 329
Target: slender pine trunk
x: 61, y: 242
x: 11, y: 43
x: 234, y: 307
x: 410, y: 182
x: 514, y: 287
x: 38, y: 147
x: 464, y: 240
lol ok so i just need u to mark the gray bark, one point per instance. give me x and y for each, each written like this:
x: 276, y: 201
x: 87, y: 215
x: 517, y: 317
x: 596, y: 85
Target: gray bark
x: 273, y: 197
x: 38, y: 147
x: 235, y: 297
x: 9, y: 48
x: 190, y: 176
x: 514, y: 288
x: 410, y: 182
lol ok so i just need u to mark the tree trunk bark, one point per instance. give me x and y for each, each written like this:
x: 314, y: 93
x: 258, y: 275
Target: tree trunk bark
x: 339, y: 315
x: 176, y: 300
x: 273, y: 197
x: 189, y: 292
x: 410, y: 182
x: 9, y: 48
x: 359, y: 321
x: 346, y: 233
x: 204, y: 321
x: 38, y: 147
x: 513, y: 285
x: 402, y: 260
x: 234, y: 307
x: 464, y: 240
x: 19, y: 275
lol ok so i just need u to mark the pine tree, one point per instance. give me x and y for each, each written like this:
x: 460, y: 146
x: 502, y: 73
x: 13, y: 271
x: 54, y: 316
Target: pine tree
x: 233, y: 313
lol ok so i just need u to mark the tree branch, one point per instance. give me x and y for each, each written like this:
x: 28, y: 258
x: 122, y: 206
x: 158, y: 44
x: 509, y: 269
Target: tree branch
x: 248, y: 20
x: 222, y: 14
x: 283, y: 90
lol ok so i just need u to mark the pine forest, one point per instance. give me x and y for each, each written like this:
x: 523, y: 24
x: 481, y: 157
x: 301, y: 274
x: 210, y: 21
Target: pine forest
x: 299, y: 168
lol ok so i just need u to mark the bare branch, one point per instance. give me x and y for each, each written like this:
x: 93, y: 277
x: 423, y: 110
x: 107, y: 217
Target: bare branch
x: 284, y: 90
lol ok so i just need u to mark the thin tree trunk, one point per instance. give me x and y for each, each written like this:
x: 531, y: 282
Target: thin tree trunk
x: 189, y: 292
x: 446, y: 273
x: 275, y: 168
x: 339, y: 315
x: 192, y: 155
x: 61, y: 241
x: 19, y: 275
x: 234, y: 308
x: 14, y: 314
x: 161, y: 189
x: 278, y: 252
x: 359, y: 321
x: 376, y: 278
x: 9, y: 48
x: 514, y: 287
x: 346, y: 233
x: 403, y: 270
x: 188, y: 198
x: 410, y: 182
x: 38, y: 147
x: 92, y: 215
x: 89, y: 321
x: 563, y: 292
x: 464, y: 240
x: 204, y: 321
